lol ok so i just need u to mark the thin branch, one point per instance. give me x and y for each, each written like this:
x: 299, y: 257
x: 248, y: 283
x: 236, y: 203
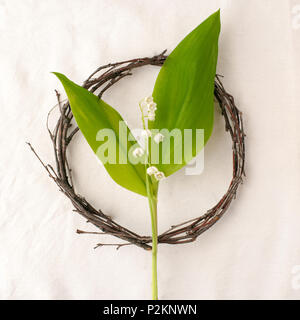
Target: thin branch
x: 117, y: 245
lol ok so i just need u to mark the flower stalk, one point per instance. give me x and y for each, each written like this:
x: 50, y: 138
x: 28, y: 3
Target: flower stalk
x: 152, y: 199
x: 153, y: 176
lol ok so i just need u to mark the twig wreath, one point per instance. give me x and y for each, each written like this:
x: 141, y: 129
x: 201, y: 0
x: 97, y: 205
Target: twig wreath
x: 101, y: 80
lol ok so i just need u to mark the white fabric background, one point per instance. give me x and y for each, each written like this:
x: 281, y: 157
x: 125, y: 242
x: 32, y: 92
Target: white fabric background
x: 252, y: 253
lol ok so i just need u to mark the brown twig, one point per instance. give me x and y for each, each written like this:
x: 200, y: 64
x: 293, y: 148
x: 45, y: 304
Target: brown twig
x: 185, y: 232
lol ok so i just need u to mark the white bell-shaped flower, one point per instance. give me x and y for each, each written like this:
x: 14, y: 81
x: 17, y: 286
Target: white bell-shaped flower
x: 138, y: 152
x: 152, y: 170
x: 159, y: 175
x: 152, y: 107
x: 148, y: 99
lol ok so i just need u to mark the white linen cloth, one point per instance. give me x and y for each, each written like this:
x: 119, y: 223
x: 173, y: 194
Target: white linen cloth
x: 251, y: 253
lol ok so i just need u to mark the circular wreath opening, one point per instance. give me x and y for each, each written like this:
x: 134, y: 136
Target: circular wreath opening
x: 188, y: 231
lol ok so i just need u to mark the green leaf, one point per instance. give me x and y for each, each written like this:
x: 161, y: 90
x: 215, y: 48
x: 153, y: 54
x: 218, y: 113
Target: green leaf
x: 184, y: 88
x: 93, y: 114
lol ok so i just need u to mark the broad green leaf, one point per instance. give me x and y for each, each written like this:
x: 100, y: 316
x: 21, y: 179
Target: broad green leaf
x: 184, y: 88
x: 93, y: 114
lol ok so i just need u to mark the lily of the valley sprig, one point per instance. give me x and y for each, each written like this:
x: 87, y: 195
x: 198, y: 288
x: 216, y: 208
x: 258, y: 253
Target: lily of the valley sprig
x: 148, y: 105
x: 182, y: 101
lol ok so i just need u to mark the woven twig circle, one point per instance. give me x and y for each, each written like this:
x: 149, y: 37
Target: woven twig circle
x: 103, y: 78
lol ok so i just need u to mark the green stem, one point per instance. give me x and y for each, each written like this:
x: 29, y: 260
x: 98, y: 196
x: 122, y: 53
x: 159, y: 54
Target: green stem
x: 152, y: 198
x: 152, y: 187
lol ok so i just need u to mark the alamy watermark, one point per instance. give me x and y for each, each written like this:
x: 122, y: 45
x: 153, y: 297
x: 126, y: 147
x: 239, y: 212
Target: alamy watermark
x: 178, y: 147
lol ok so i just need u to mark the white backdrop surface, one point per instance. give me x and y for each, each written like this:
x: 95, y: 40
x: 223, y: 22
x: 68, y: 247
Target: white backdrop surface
x: 251, y: 253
